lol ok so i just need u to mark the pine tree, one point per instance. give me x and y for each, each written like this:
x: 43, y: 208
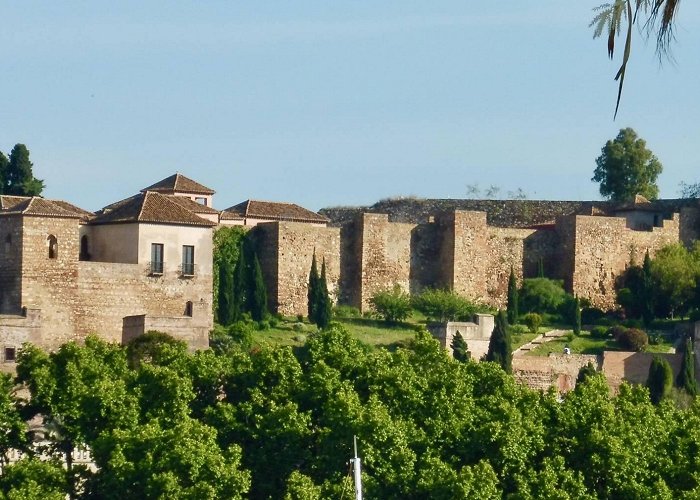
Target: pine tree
x: 19, y: 179
x: 313, y: 290
x: 512, y: 306
x: 4, y: 163
x: 500, y: 345
x: 258, y: 293
x: 660, y: 380
x: 324, y: 307
x: 577, y: 316
x: 460, y: 350
x: 225, y: 313
x: 686, y: 377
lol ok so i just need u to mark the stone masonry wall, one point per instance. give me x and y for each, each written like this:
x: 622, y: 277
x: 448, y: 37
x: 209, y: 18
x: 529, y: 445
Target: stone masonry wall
x: 294, y: 253
x: 385, y: 256
x: 506, y: 250
x: 604, y: 247
x: 471, y: 255
x: 10, y: 265
x: 556, y: 370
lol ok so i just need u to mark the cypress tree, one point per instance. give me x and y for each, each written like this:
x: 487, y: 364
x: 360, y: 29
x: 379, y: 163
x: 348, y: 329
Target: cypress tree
x: 19, y: 179
x: 500, y: 345
x: 460, y: 351
x: 686, y: 377
x: 240, y: 287
x: 313, y: 290
x: 512, y: 306
x: 225, y: 314
x: 577, y: 316
x: 660, y: 379
x: 258, y: 296
x: 646, y: 298
x: 324, y: 308
x: 4, y: 163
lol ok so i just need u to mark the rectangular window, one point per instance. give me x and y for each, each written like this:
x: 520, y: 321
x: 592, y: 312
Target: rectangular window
x: 201, y: 201
x: 10, y: 354
x: 156, y: 258
x: 188, y: 260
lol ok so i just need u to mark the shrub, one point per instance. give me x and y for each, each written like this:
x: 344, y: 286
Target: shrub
x: 655, y: 339
x: 518, y: 329
x: 633, y: 339
x: 600, y: 332
x: 660, y: 380
x: 444, y: 305
x: 346, y: 312
x: 542, y: 295
x: 241, y: 333
x: 604, y: 321
x: 533, y: 321
x: 392, y: 305
x: 299, y: 327
x: 300, y: 318
x: 589, y: 315
x: 264, y: 325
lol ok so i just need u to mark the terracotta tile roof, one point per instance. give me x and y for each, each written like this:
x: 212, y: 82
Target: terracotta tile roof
x: 192, y: 205
x: 178, y: 183
x: 271, y: 210
x: 224, y: 215
x: 150, y: 207
x: 7, y: 201
x: 36, y: 205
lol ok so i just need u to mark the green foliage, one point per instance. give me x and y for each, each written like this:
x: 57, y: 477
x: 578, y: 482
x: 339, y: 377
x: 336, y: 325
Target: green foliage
x: 686, y: 377
x: 312, y: 293
x: 633, y: 339
x: 533, y: 321
x: 324, y: 306
x: 346, y: 312
x: 500, y: 344
x: 512, y: 306
x: 577, y: 317
x: 227, y: 249
x: 34, y: 479
x: 4, y: 163
x: 392, y: 305
x: 585, y: 373
x: 225, y: 310
x: 12, y: 425
x: 258, y: 294
x: 444, y: 305
x: 460, y: 351
x: 542, y: 295
x: 675, y: 271
x: 660, y: 380
x: 600, y: 332
x: 153, y: 347
x: 19, y: 179
x: 626, y: 168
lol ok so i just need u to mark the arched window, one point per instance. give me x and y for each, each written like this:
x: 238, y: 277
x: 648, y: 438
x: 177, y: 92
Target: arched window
x: 53, y: 246
x: 188, y: 308
x: 84, y: 253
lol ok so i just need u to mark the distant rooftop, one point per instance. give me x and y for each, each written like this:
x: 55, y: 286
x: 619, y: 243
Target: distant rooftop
x: 270, y: 210
x: 36, y: 205
x: 149, y: 206
x: 179, y: 183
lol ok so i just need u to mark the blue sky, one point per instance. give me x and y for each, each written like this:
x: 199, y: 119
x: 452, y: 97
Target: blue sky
x: 334, y: 103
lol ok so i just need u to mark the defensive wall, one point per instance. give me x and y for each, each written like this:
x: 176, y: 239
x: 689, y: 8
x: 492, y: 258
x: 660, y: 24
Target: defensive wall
x: 459, y: 250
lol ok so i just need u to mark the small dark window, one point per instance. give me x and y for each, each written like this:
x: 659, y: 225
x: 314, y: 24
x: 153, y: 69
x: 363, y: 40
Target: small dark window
x: 10, y: 354
x: 188, y: 260
x: 201, y: 201
x: 84, y: 249
x: 188, y: 308
x: 53, y: 246
x: 156, y: 258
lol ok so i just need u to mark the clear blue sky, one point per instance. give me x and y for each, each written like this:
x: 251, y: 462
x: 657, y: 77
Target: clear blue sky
x: 334, y: 103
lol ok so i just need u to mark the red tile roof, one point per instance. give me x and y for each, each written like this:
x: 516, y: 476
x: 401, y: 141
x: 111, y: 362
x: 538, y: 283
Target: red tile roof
x: 151, y: 207
x: 271, y: 210
x: 39, y: 206
x: 179, y: 183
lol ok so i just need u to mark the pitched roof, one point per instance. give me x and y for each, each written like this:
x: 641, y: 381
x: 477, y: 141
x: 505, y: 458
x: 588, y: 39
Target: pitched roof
x: 192, y: 205
x: 178, y: 183
x: 151, y: 207
x: 638, y: 203
x: 36, y: 205
x: 273, y: 211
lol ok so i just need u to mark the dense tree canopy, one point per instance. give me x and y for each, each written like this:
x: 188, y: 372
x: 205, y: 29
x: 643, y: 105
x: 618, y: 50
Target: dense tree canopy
x: 627, y: 168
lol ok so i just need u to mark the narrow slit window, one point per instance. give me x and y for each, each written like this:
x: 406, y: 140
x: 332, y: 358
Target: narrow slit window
x: 53, y: 246
x: 188, y: 308
x: 157, y: 258
x: 10, y: 354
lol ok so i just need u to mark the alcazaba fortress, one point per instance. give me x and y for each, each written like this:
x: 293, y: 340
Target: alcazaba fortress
x: 145, y: 262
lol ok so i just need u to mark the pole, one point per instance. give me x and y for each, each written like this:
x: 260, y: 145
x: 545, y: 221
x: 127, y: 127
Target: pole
x: 357, y: 469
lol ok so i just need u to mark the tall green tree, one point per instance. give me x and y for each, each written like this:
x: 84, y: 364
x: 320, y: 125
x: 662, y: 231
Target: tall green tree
x: 626, y: 168
x: 19, y: 179
x: 660, y: 379
x: 686, y: 377
x: 240, y: 286
x: 225, y: 309
x: 324, y: 306
x: 646, y: 292
x: 4, y: 163
x: 312, y: 291
x: 500, y: 350
x: 258, y: 295
x: 577, y: 316
x: 512, y: 307
x: 460, y: 351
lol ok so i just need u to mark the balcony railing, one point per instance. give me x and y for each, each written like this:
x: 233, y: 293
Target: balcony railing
x: 187, y: 269
x: 155, y: 267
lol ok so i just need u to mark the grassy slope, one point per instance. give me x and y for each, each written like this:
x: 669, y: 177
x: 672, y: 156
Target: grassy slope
x: 585, y: 344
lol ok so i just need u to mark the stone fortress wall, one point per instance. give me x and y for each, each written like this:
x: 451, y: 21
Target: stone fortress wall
x: 368, y: 252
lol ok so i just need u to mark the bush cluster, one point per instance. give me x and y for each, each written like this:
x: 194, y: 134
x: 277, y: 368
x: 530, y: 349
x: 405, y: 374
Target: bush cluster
x: 633, y: 339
